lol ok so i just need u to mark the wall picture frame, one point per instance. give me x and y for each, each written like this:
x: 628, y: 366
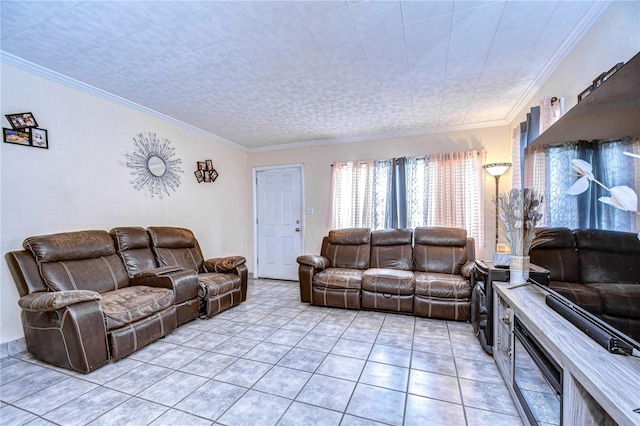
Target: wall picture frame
x: 205, y: 171
x: 39, y: 138
x: 22, y: 120
x: 16, y: 137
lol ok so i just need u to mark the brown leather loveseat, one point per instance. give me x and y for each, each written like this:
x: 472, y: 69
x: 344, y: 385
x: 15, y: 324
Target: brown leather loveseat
x: 598, y: 270
x: 89, y: 297
x: 425, y: 272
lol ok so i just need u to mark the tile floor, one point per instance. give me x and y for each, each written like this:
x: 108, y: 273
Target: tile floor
x: 274, y: 360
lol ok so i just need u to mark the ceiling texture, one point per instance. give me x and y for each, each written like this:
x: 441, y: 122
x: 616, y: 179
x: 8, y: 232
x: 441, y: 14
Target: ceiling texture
x: 263, y: 74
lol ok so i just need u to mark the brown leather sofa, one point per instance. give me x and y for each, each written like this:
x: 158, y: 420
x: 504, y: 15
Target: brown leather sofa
x: 222, y: 281
x: 89, y: 297
x: 426, y: 274
x: 598, y: 270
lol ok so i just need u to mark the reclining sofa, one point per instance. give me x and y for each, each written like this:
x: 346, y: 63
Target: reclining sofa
x: 598, y: 270
x: 89, y: 297
x: 423, y: 272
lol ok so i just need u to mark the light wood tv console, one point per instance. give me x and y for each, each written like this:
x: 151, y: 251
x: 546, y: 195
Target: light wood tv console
x: 599, y: 388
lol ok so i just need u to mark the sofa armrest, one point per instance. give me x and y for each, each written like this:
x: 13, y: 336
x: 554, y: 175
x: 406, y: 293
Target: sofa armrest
x: 467, y: 269
x: 51, y: 301
x: 156, y: 272
x: 183, y: 283
x: 224, y: 264
x: 315, y: 261
x: 73, y: 336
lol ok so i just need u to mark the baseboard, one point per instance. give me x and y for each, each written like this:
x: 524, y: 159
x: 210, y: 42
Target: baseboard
x: 13, y: 347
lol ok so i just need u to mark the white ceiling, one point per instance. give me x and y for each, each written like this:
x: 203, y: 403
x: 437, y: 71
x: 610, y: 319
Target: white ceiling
x: 265, y: 73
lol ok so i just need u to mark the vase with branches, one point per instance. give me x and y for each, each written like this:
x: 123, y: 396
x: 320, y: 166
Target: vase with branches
x: 519, y: 215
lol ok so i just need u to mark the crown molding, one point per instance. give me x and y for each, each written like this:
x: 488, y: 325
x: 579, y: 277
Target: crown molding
x: 378, y: 136
x: 570, y: 42
x: 41, y: 71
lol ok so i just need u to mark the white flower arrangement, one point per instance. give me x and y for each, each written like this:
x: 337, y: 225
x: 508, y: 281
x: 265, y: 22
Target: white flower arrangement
x: 622, y: 197
x: 519, y: 216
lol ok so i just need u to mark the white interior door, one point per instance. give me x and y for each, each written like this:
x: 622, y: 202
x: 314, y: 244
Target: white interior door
x: 279, y: 223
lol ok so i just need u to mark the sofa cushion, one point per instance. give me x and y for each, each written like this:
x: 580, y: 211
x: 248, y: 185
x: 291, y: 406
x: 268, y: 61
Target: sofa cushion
x: 441, y: 236
x: 350, y: 236
x: 442, y: 286
x: 339, y: 278
x: 441, y: 250
x: 213, y: 284
x: 619, y: 299
x: 390, y: 281
x: 581, y: 294
x: 101, y: 274
x: 134, y: 247
x: 70, y: 246
x: 176, y: 246
x: 440, y: 259
x: 557, y: 253
x: 391, y: 248
x: 83, y: 260
x: 608, y: 256
x: 128, y: 305
x: 348, y: 248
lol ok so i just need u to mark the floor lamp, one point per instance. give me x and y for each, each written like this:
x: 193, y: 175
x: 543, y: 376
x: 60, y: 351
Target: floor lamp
x: 496, y: 170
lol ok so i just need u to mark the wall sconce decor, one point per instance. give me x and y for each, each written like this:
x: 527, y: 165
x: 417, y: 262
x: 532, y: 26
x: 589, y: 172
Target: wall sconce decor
x: 206, y: 172
x: 153, y: 165
x: 24, y: 131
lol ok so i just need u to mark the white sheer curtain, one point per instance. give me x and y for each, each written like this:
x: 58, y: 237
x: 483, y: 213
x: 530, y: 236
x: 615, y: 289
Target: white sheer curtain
x: 352, y: 194
x: 551, y: 109
x: 416, y: 174
x: 515, y: 158
x: 437, y: 190
x: 456, y: 193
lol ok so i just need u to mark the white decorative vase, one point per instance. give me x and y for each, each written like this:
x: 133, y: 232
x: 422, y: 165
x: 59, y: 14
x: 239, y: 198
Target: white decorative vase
x: 518, y: 269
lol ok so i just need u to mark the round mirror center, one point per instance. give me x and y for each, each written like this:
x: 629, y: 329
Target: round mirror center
x: 156, y: 165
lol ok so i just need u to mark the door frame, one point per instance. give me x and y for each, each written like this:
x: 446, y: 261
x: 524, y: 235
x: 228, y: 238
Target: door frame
x: 254, y: 185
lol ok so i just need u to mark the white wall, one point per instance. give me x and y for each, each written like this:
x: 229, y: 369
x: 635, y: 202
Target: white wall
x: 317, y: 168
x: 613, y: 38
x: 82, y: 182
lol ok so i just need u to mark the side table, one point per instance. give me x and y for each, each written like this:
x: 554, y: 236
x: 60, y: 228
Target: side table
x: 482, y: 279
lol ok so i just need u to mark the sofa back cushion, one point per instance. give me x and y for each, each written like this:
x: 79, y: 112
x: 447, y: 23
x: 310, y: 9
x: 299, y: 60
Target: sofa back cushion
x: 84, y: 260
x: 392, y: 249
x: 176, y: 246
x: 442, y: 250
x: 557, y: 254
x: 608, y: 256
x: 348, y: 248
x: 133, y: 244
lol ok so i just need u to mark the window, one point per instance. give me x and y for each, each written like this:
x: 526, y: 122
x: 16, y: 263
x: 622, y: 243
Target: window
x: 352, y: 193
x: 548, y: 171
x: 435, y: 190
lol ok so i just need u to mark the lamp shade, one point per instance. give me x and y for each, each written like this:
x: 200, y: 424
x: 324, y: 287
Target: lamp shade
x: 496, y: 169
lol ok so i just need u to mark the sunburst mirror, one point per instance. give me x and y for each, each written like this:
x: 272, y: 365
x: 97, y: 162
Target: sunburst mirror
x: 153, y: 165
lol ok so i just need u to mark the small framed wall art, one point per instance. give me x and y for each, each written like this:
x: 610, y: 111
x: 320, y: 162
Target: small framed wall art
x: 205, y: 172
x: 18, y: 137
x: 22, y: 120
x: 39, y: 138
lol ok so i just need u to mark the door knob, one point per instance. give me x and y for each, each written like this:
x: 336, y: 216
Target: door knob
x: 297, y: 229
